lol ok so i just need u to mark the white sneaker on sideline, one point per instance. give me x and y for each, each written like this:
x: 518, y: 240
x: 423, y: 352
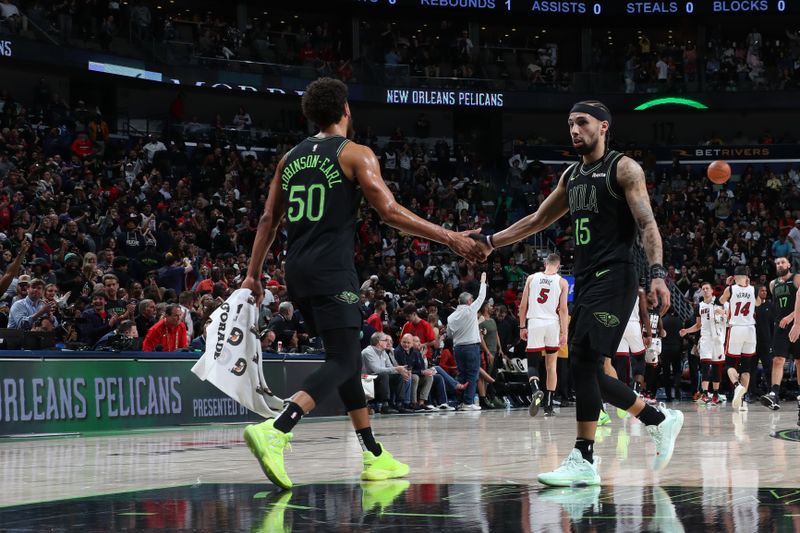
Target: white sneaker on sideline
x: 738, y: 395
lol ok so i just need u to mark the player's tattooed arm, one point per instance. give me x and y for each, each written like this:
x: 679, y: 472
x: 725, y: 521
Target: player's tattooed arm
x: 795, y: 314
x: 794, y: 332
x: 630, y: 177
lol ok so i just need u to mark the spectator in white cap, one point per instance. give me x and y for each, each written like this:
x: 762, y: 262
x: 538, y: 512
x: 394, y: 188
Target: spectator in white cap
x: 21, y: 288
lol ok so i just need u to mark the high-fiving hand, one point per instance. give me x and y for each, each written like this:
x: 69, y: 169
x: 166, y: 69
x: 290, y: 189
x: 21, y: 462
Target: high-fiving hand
x: 467, y: 247
x: 482, y: 241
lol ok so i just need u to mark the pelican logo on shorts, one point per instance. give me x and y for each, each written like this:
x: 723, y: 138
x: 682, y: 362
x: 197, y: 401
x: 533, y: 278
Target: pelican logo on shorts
x: 236, y: 337
x: 240, y: 367
x: 607, y: 319
x: 347, y: 297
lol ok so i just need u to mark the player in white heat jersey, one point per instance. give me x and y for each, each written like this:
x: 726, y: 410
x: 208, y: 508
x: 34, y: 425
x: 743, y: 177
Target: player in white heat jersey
x: 741, y: 345
x: 711, y: 323
x: 634, y: 342
x: 543, y: 323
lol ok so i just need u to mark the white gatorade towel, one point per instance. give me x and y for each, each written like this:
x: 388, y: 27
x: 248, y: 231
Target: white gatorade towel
x: 232, y: 360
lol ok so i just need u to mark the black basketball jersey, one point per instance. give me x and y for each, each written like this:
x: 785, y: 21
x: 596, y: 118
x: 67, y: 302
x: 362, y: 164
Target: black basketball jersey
x: 785, y: 293
x: 604, y: 229
x: 321, y: 207
x: 654, y: 317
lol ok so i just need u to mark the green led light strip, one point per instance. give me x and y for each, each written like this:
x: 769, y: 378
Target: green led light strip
x: 671, y: 100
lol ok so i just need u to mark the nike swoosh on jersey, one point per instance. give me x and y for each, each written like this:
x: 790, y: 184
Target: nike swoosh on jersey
x: 602, y: 272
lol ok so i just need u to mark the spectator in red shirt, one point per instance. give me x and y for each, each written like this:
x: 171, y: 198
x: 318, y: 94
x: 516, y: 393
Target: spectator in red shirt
x: 82, y: 146
x: 307, y: 52
x: 376, y: 319
x: 510, y: 295
x: 421, y: 249
x: 418, y: 327
x: 447, y: 361
x: 207, y: 285
x: 6, y: 213
x: 168, y: 334
x: 109, y: 191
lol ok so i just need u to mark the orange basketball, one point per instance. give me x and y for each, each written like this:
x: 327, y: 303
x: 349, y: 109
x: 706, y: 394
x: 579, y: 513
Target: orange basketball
x: 719, y: 172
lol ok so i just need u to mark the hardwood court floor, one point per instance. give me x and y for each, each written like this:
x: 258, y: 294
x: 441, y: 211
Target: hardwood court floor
x: 721, y: 457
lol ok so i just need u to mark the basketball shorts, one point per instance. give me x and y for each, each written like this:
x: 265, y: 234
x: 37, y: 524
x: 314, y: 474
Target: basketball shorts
x: 632, y: 342
x: 653, y: 351
x: 741, y: 341
x: 711, y: 350
x: 781, y: 346
x: 322, y: 313
x: 602, y: 305
x: 543, y: 335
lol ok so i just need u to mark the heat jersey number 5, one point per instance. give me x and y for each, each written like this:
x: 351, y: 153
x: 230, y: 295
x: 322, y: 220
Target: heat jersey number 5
x: 306, y: 202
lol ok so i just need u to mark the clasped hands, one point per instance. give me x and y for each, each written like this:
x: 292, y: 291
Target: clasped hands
x: 471, y: 245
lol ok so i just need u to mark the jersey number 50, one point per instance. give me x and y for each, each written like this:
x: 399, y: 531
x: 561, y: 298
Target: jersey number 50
x: 306, y: 202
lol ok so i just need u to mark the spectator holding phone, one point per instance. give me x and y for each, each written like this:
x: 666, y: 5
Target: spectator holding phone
x: 26, y: 311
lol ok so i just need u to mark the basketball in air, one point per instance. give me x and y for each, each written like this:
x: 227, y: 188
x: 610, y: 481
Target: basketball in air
x: 719, y: 172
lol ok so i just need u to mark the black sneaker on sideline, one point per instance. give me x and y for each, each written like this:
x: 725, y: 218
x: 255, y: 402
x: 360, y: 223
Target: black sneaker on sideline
x: 536, y: 402
x: 770, y: 402
x: 497, y: 402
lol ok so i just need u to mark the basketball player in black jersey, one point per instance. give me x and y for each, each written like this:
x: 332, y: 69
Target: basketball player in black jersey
x: 784, y: 292
x: 606, y: 197
x: 318, y: 186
